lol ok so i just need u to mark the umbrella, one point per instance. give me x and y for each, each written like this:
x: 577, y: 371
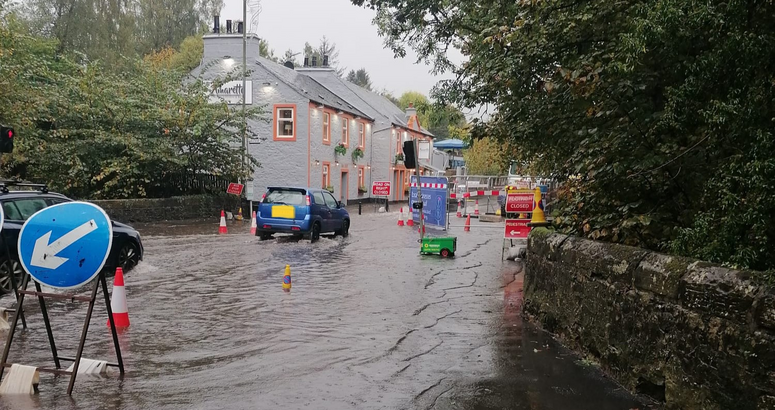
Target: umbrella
x: 450, y: 144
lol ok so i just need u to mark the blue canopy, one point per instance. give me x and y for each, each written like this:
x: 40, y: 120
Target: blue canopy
x: 450, y: 144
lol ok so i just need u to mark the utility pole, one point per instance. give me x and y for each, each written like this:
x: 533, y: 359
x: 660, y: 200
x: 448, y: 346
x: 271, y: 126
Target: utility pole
x: 244, y: 96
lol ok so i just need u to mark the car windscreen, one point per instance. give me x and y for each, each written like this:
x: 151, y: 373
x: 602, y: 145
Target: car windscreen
x: 285, y: 197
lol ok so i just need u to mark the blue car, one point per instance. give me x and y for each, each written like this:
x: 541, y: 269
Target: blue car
x: 302, y: 212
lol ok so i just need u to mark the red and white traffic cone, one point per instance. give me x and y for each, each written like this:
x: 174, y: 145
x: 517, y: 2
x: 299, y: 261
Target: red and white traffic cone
x: 459, y: 209
x: 410, y: 218
x: 401, y: 217
x: 222, y: 229
x: 468, y: 224
x: 253, y: 225
x: 476, y: 208
x: 118, y: 301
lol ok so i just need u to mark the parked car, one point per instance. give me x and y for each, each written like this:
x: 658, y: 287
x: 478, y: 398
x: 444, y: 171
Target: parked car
x: 18, y: 206
x: 302, y: 212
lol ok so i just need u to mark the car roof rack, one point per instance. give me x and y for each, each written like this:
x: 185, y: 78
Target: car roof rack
x: 4, y: 184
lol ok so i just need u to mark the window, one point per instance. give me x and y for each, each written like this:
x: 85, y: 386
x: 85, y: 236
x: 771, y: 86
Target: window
x: 319, y: 198
x: 345, y: 131
x: 326, y: 127
x: 330, y: 201
x: 21, y: 209
x: 326, y: 175
x: 285, y: 197
x: 285, y: 122
x: 361, y: 177
x: 399, y: 149
x: 361, y: 135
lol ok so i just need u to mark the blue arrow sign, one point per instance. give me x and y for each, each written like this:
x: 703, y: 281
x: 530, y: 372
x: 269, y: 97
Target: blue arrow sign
x: 65, y: 245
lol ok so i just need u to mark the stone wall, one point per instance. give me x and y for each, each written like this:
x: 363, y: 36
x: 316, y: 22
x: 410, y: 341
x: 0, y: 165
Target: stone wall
x: 175, y: 208
x: 692, y: 334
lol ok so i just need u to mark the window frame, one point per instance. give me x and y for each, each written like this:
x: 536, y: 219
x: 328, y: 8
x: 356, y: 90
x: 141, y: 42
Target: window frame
x: 345, y: 131
x: 325, y: 171
x: 326, y: 128
x: 362, y: 136
x: 277, y: 109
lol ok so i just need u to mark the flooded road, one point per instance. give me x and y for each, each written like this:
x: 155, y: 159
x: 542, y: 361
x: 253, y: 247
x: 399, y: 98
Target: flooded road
x: 368, y: 324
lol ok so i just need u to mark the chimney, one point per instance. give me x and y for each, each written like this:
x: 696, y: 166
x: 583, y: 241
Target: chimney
x: 314, y: 61
x: 306, y: 61
x: 325, y: 60
x: 228, y: 26
x: 240, y: 27
x: 411, y: 117
x: 216, y: 24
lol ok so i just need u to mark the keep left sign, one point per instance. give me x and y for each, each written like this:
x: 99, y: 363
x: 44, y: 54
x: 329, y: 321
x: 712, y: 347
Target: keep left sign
x: 65, y: 245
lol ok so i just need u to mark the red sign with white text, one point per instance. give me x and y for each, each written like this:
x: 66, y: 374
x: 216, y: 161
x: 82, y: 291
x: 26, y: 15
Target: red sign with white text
x: 520, y: 202
x: 516, y: 229
x: 380, y: 188
x: 234, y: 189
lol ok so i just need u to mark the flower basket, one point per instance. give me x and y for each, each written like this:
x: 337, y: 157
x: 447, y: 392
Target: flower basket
x: 357, y: 154
x: 362, y: 189
x: 330, y: 189
x: 340, y: 149
x: 399, y: 158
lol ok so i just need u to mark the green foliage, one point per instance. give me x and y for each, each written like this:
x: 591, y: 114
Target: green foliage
x: 360, y: 78
x: 90, y: 133
x: 340, y: 149
x: 657, y: 116
x: 357, y: 154
x: 482, y: 157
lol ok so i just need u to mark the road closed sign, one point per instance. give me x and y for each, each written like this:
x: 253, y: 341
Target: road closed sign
x: 380, y: 188
x: 519, y: 202
x: 65, y: 245
x: 516, y: 229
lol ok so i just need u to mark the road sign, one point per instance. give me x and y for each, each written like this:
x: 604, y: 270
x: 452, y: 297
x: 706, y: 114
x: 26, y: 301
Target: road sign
x: 234, y: 189
x: 380, y: 188
x: 519, y: 202
x: 434, y: 200
x: 65, y: 245
x: 516, y: 229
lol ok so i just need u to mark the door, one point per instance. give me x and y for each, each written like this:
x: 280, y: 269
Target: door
x: 320, y: 209
x: 331, y: 224
x: 344, y: 192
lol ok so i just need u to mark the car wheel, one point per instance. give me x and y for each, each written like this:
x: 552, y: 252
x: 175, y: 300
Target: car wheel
x: 264, y: 236
x: 6, y: 268
x: 128, y: 257
x: 314, y: 236
x: 345, y: 228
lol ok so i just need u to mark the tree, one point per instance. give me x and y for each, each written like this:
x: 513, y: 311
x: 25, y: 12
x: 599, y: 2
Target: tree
x: 360, y: 78
x: 649, y: 113
x: 483, y: 157
x: 265, y: 51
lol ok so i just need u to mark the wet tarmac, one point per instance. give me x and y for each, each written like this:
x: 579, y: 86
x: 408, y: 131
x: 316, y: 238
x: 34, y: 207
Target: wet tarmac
x: 368, y: 324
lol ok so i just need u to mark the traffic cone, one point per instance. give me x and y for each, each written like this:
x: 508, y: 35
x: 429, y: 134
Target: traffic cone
x: 401, y: 217
x: 476, y: 208
x: 538, y: 218
x: 239, y: 214
x: 468, y: 224
x: 118, y: 301
x: 253, y: 225
x: 410, y: 218
x: 459, y: 210
x: 222, y: 228
x: 287, y: 279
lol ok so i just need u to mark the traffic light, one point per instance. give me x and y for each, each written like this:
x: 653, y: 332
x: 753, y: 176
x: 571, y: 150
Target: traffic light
x: 410, y: 160
x: 6, y: 138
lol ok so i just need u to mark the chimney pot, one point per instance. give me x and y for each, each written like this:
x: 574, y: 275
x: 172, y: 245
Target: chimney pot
x: 325, y: 60
x: 240, y: 27
x: 216, y: 24
x: 314, y: 61
x: 306, y: 61
x: 228, y: 26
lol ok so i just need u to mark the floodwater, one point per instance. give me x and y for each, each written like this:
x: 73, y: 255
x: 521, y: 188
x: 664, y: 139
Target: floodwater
x: 368, y: 324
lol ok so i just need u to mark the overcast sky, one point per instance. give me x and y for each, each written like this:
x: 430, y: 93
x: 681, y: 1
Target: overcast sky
x: 290, y: 23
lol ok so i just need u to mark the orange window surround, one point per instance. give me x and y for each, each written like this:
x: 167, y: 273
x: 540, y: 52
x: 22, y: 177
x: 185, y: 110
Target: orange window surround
x: 285, y: 122
x: 326, y: 174
x: 361, y: 135
x: 345, y: 131
x: 326, y: 128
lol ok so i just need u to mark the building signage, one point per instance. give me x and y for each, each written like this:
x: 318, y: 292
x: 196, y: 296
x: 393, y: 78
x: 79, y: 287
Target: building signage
x: 231, y: 93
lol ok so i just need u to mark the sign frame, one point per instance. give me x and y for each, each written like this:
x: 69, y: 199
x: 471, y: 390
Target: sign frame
x: 434, y: 200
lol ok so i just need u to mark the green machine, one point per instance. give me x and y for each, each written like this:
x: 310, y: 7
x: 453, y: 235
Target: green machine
x: 444, y: 246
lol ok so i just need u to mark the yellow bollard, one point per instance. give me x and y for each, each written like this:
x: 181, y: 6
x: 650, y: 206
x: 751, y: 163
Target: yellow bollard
x: 287, y: 279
